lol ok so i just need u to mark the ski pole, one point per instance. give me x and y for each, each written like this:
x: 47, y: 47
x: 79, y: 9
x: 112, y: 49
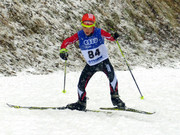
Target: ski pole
x: 142, y: 97
x: 64, y: 90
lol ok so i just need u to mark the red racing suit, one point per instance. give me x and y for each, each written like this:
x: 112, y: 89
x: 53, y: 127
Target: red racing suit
x: 89, y: 70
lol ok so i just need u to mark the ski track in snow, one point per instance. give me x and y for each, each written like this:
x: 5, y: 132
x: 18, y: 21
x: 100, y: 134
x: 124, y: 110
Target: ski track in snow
x: 160, y: 87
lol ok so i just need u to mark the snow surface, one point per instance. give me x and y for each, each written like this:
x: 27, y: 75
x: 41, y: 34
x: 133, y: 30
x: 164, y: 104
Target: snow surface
x: 160, y: 87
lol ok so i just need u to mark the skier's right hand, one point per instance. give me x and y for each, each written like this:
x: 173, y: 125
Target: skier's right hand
x: 63, y: 53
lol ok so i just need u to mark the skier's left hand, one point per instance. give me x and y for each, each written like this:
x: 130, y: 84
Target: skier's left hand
x: 116, y: 35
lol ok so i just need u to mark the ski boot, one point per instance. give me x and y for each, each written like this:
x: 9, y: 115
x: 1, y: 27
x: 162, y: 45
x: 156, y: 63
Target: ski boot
x: 116, y: 101
x: 79, y: 105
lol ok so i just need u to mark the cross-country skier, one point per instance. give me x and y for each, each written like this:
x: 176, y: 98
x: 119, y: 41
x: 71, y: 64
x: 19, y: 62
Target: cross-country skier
x: 91, y: 43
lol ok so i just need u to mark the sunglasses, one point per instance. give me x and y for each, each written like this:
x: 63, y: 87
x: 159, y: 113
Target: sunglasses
x: 88, y: 24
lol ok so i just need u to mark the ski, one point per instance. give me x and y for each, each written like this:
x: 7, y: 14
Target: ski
x: 36, y: 107
x: 53, y: 108
x: 127, y: 109
x: 103, y: 110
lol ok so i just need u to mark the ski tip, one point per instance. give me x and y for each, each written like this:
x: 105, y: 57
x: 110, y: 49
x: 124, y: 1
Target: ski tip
x: 142, y: 97
x: 9, y: 105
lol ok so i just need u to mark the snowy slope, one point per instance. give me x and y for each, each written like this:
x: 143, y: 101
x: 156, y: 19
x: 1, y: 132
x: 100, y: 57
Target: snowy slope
x: 160, y: 88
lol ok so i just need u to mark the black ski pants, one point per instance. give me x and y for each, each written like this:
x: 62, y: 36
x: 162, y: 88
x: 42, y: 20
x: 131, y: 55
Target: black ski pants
x: 88, y: 71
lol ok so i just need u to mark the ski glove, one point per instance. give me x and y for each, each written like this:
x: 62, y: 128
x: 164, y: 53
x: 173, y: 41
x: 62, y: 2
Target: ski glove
x: 116, y: 35
x: 63, y: 53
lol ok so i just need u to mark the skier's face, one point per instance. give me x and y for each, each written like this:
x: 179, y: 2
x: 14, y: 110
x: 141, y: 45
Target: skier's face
x: 87, y: 30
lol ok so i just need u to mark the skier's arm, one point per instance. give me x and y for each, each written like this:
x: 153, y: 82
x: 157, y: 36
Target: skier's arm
x: 107, y: 35
x: 69, y: 40
x: 63, y: 51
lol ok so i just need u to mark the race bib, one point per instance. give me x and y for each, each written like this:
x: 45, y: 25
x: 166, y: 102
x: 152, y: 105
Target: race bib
x: 95, y: 55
